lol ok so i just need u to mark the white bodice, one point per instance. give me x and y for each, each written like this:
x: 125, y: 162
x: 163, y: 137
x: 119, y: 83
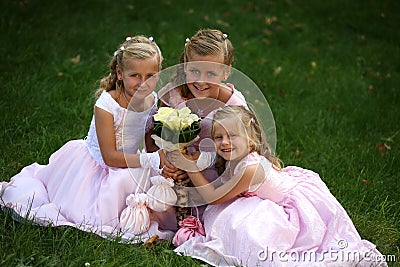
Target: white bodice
x: 130, y: 126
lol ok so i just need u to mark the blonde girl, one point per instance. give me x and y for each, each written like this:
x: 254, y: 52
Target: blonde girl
x: 262, y: 214
x: 199, y: 84
x: 87, y: 181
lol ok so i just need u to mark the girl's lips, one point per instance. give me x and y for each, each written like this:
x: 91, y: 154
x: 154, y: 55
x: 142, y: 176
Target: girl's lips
x: 226, y: 149
x: 199, y: 89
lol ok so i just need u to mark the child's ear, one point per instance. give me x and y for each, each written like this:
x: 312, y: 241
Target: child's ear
x: 227, y: 72
x: 119, y: 72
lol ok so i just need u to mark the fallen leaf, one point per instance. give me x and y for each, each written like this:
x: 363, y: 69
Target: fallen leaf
x: 371, y: 88
x: 313, y: 64
x: 222, y: 23
x: 151, y: 241
x: 382, y: 147
x: 277, y: 70
x: 76, y: 59
x: 16, y: 164
x: 365, y: 181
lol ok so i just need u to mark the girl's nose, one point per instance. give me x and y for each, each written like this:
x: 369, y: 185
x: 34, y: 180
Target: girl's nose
x: 141, y: 81
x: 225, y: 140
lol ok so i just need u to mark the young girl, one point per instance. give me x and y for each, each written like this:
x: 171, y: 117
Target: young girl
x: 199, y: 84
x: 86, y: 182
x: 265, y: 215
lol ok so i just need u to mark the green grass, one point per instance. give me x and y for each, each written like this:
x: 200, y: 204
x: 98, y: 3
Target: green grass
x: 332, y: 118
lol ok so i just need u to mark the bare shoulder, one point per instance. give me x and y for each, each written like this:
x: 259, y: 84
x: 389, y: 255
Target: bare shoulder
x: 113, y: 93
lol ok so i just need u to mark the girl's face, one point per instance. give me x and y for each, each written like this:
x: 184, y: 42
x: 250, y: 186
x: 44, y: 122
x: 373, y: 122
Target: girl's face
x: 139, y: 76
x: 204, y: 75
x: 231, y: 139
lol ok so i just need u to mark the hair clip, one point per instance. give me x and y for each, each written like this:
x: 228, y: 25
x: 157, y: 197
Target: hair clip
x: 115, y: 53
x: 252, y: 120
x: 225, y: 36
x: 151, y: 39
x: 122, y: 48
x: 187, y: 41
x: 128, y: 38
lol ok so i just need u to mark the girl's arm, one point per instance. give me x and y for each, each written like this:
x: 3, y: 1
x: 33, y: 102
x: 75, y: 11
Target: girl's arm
x: 149, y: 142
x: 106, y: 135
x: 236, y: 185
x: 251, y: 175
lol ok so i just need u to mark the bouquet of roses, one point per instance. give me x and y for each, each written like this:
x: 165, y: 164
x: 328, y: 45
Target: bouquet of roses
x: 175, y: 128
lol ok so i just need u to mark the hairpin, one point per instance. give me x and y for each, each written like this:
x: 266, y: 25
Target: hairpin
x: 151, y: 38
x: 120, y: 49
x: 187, y: 41
x: 224, y: 35
x: 128, y: 38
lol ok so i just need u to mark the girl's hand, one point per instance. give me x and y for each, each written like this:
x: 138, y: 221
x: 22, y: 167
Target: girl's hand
x: 183, y: 161
x: 169, y: 170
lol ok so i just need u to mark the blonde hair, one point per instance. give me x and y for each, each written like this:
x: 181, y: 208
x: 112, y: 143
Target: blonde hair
x: 205, y: 42
x: 137, y: 47
x: 254, y: 133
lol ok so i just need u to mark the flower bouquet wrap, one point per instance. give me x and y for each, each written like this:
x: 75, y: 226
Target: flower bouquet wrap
x: 175, y: 129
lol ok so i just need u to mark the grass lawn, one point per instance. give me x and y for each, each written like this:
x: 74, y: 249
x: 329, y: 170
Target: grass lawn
x: 330, y: 71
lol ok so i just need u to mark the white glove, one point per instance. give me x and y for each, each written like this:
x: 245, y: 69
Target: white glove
x: 150, y: 160
x: 205, y: 160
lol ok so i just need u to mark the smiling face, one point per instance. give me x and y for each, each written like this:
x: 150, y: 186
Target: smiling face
x: 138, y: 76
x: 230, y: 139
x: 204, y: 75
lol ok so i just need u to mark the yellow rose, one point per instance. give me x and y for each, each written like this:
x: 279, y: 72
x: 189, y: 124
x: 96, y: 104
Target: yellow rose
x: 173, y: 122
x: 184, y: 112
x: 187, y: 121
x: 164, y: 113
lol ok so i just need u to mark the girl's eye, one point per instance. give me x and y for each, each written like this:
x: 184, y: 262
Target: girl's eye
x: 135, y: 75
x: 211, y: 74
x: 217, y: 137
x: 196, y: 72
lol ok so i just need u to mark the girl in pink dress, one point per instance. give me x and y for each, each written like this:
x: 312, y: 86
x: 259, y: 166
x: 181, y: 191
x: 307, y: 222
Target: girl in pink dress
x: 86, y: 183
x: 263, y: 215
x: 206, y: 63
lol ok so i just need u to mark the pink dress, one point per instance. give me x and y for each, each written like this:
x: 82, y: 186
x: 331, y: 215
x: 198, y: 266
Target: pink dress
x: 290, y: 219
x: 77, y: 189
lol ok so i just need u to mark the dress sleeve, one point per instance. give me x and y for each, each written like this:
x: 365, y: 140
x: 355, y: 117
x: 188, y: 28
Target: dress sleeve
x: 250, y: 159
x: 106, y: 102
